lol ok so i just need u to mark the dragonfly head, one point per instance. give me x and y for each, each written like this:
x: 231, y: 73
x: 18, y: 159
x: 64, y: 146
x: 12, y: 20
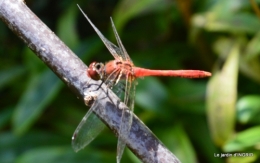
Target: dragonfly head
x: 96, y: 71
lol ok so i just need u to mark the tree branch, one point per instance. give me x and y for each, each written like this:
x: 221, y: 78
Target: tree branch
x: 69, y: 68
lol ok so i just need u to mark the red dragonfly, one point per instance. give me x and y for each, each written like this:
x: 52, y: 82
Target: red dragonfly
x: 119, y: 72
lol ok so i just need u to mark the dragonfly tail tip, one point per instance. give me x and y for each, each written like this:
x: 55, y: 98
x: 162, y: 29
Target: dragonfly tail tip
x: 207, y: 74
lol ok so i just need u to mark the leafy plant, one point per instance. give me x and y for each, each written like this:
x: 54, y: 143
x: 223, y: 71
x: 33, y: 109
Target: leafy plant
x: 38, y: 114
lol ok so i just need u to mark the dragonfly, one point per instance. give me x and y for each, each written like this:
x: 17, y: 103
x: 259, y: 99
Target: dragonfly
x: 121, y: 73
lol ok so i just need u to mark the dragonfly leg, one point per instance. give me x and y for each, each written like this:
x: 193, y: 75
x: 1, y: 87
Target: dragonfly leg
x: 100, y: 85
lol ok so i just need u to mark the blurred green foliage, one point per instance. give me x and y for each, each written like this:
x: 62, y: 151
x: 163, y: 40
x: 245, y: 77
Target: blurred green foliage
x: 38, y: 113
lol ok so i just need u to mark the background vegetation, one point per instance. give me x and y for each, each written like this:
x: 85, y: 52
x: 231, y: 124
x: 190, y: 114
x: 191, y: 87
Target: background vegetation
x: 195, y: 118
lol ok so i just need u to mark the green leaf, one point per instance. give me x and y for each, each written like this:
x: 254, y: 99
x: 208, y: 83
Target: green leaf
x: 133, y: 157
x: 252, y: 49
x: 89, y: 48
x: 198, y: 131
x: 61, y: 154
x: 12, y: 146
x: 232, y: 23
x: 227, y: 16
x: 150, y: 99
x: 248, y: 109
x: 245, y: 139
x: 221, y: 100
x: 33, y: 64
x: 5, y: 116
x: 10, y: 74
x: 244, y: 158
x: 177, y: 141
x: 249, y: 63
x: 223, y: 7
x: 67, y: 31
x: 188, y: 95
x: 45, y: 154
x: 250, y: 68
x: 128, y: 9
x: 222, y: 46
x: 41, y: 89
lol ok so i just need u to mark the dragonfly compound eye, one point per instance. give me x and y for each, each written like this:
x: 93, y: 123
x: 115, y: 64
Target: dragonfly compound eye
x: 95, y: 70
x: 92, y: 72
x: 99, y: 66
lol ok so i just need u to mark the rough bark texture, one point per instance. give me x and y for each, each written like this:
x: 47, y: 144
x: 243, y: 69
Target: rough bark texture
x: 65, y: 64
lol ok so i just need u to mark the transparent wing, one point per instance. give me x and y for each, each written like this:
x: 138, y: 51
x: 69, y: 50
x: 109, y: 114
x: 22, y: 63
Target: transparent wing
x: 113, y: 49
x: 123, y: 53
x: 89, y: 127
x: 130, y: 84
x: 127, y: 117
x: 125, y: 90
x: 128, y: 88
